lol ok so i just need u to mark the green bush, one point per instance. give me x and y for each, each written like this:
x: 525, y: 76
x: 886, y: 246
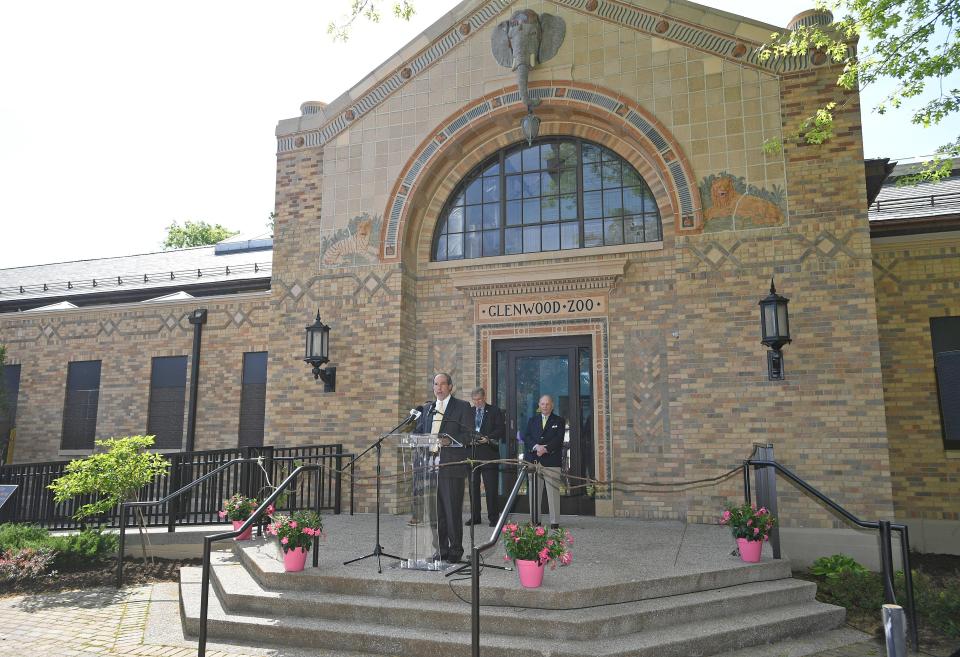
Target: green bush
x: 854, y: 590
x: 68, y: 551
x: 833, y: 566
x: 938, y: 602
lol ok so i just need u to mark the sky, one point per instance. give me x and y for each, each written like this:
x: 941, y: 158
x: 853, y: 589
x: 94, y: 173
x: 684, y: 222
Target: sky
x: 118, y: 118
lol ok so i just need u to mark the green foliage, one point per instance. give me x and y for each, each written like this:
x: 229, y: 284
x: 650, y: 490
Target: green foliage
x: 66, y: 552
x: 115, y: 476
x: 833, y: 566
x: 772, y: 146
x: 856, y: 590
x: 402, y: 9
x: 296, y: 530
x: 912, y: 43
x: 749, y: 522
x: 238, y: 507
x: 938, y: 602
x: 533, y: 543
x: 195, y: 233
x: 271, y: 221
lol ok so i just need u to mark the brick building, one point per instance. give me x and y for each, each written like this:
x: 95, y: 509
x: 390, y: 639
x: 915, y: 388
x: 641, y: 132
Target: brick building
x: 615, y: 261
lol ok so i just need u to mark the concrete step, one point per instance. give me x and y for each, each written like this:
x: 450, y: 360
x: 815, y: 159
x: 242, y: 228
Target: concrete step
x: 702, y: 637
x: 811, y: 644
x: 570, y: 588
x: 239, y: 592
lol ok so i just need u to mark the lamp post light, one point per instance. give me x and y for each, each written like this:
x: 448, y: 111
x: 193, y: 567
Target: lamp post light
x: 775, y: 330
x: 318, y: 353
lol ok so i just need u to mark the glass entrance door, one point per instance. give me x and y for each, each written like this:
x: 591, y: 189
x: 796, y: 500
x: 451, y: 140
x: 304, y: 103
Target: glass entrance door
x: 525, y: 370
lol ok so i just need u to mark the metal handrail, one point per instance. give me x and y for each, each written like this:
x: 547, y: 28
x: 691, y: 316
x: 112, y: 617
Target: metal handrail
x: 475, y: 562
x: 208, y: 541
x: 163, y: 500
x: 177, y: 493
x: 883, y: 526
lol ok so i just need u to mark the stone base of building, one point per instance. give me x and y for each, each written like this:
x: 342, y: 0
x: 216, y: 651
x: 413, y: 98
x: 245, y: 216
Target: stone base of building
x: 933, y: 536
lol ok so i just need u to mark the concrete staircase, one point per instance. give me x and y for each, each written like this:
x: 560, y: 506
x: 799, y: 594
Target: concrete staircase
x: 701, y: 612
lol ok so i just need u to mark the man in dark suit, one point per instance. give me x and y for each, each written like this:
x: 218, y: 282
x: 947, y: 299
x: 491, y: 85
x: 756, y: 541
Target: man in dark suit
x: 489, y: 424
x: 451, y: 416
x: 543, y: 441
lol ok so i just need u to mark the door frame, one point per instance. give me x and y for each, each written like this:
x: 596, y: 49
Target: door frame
x: 571, y: 347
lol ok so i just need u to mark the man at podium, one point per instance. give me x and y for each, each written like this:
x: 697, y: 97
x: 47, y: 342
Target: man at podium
x: 453, y: 417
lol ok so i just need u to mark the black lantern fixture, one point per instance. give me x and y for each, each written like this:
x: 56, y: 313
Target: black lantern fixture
x: 318, y: 353
x: 775, y: 330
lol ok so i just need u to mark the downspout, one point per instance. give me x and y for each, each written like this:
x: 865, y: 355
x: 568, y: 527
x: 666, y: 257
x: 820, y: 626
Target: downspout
x: 198, y: 318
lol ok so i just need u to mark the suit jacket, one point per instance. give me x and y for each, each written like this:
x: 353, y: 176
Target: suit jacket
x: 458, y: 423
x: 494, y: 427
x: 550, y: 436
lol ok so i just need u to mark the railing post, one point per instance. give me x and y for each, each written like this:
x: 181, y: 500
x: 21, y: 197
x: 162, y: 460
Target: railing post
x: 908, y: 589
x: 204, y: 598
x: 246, y: 479
x: 319, y: 499
x: 766, y: 484
x: 352, y: 479
x: 338, y: 483
x: 173, y: 508
x: 121, y: 543
x: 886, y: 563
x: 746, y: 482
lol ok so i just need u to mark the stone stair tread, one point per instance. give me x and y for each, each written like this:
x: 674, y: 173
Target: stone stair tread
x: 233, y: 579
x: 804, y: 646
x: 686, y: 639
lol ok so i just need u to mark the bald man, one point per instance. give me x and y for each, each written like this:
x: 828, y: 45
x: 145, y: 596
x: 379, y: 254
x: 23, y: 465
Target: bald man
x: 543, y: 441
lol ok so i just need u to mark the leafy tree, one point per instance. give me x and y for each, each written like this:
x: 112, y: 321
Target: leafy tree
x: 113, y: 476
x: 340, y: 31
x: 911, y: 42
x: 195, y: 233
x: 271, y: 221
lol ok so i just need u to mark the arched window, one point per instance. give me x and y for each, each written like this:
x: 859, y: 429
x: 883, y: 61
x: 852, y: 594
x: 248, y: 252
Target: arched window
x: 558, y: 194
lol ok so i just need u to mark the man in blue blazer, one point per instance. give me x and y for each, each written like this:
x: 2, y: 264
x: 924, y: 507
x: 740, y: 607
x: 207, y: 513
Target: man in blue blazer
x: 543, y: 441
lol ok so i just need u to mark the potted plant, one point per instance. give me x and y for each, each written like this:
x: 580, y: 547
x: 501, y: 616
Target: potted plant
x: 295, y: 534
x: 532, y: 547
x: 751, y: 527
x: 237, y: 508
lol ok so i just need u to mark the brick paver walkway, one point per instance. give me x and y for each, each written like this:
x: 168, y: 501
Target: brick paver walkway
x: 111, y: 623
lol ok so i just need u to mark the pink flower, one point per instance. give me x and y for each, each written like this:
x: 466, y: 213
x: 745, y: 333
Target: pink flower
x: 550, y: 542
x: 222, y: 514
x: 540, y: 531
x: 271, y: 509
x: 750, y: 522
x: 544, y: 555
x: 293, y: 524
x: 516, y: 539
x: 569, y: 538
x: 565, y: 559
x: 725, y: 517
x: 284, y: 540
x: 762, y: 510
x: 756, y: 530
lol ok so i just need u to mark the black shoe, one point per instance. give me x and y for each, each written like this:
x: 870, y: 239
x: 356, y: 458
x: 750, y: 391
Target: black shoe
x: 454, y: 558
x: 554, y: 525
x: 471, y: 522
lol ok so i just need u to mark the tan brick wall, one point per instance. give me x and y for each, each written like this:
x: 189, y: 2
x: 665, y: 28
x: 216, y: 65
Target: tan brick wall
x: 126, y: 338
x: 916, y: 279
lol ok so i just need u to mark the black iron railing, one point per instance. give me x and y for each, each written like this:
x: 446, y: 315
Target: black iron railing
x: 33, y: 500
x: 253, y: 479
x: 766, y: 496
x: 255, y: 519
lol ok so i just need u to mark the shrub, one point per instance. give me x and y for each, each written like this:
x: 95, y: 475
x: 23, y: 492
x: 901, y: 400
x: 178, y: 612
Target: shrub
x: 68, y: 552
x: 833, y: 566
x: 857, y: 590
x: 24, y: 564
x: 17, y: 536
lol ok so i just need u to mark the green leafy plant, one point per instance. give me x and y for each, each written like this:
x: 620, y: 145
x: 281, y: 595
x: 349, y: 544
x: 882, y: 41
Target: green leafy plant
x: 296, y: 530
x: 195, y: 233
x: 749, y: 522
x: 532, y: 543
x: 833, y: 566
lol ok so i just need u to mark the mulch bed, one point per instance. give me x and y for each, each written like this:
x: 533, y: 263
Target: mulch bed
x: 134, y: 573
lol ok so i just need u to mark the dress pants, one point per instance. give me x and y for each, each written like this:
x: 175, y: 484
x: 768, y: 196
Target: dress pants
x: 450, y: 517
x: 551, y: 478
x: 490, y: 473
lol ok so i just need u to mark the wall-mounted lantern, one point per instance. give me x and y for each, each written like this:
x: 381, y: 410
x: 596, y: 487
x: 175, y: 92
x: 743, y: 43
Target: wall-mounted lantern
x: 318, y: 353
x: 775, y: 330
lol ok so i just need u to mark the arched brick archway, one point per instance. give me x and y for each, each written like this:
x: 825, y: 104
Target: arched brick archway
x: 490, y: 123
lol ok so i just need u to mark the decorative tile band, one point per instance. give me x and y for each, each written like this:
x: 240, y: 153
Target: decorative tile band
x: 606, y: 103
x: 658, y: 25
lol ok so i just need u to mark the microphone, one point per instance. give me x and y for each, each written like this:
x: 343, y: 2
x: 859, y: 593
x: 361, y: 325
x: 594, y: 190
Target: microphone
x: 415, y: 413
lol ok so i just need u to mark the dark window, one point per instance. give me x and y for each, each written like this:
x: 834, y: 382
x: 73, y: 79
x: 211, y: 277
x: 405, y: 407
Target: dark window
x: 168, y: 385
x: 555, y: 195
x: 8, y: 406
x: 253, y: 398
x: 945, y: 336
x: 80, y: 406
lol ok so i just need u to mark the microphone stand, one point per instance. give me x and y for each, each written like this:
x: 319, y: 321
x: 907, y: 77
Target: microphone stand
x: 378, y: 549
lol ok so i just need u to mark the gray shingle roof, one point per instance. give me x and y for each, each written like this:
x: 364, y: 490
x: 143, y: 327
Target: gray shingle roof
x: 182, y: 268
x: 916, y: 201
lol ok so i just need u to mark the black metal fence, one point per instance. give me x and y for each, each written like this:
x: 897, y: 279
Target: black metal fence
x: 33, y: 500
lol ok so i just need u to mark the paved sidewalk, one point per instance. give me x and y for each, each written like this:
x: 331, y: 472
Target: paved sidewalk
x: 144, y: 621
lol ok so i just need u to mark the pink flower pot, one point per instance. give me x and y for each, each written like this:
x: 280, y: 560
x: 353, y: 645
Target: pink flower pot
x: 294, y: 560
x: 531, y: 573
x: 749, y: 550
x: 245, y: 536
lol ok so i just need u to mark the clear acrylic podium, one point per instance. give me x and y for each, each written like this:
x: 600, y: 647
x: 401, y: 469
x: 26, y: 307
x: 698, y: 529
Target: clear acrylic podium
x: 420, y: 455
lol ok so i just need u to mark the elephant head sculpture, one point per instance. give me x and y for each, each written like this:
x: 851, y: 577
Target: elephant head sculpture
x: 526, y: 40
